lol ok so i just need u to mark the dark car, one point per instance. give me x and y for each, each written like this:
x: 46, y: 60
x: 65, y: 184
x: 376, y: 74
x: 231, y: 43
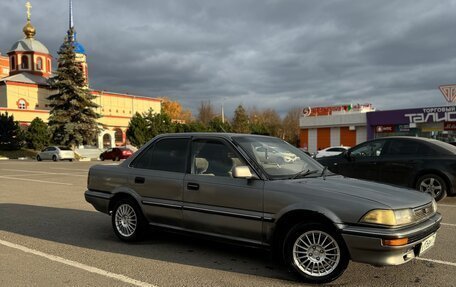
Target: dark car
x: 116, y: 154
x: 221, y: 186
x: 424, y: 164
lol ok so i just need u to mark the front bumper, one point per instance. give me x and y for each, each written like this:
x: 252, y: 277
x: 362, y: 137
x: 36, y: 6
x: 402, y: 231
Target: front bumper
x: 365, y: 244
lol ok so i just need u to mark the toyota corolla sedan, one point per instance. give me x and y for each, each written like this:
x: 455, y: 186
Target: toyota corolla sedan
x: 214, y: 185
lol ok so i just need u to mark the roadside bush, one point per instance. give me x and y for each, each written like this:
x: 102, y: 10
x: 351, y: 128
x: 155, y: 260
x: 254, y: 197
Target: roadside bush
x: 37, y: 134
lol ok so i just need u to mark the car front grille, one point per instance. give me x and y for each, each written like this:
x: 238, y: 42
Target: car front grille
x: 423, y: 212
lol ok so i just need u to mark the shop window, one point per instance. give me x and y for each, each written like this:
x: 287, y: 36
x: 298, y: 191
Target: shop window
x: 39, y: 64
x: 24, y: 62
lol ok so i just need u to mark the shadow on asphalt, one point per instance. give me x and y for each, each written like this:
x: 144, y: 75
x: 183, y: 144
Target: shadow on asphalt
x: 92, y: 230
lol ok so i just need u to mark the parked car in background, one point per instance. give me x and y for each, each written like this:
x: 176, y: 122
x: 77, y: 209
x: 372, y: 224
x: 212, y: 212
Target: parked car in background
x: 424, y: 164
x: 56, y: 153
x: 274, y: 154
x: 214, y: 185
x: 330, y: 151
x: 116, y: 153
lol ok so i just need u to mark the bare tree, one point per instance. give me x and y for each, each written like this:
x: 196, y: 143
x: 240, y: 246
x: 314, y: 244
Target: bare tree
x: 290, y: 126
x: 206, y: 112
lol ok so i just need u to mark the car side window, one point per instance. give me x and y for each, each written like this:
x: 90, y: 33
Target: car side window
x: 338, y: 149
x: 165, y: 155
x: 214, y: 158
x: 403, y: 147
x: 371, y: 149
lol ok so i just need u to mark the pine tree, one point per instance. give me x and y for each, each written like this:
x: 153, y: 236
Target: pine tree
x: 10, y: 138
x: 241, y: 120
x: 72, y: 119
x: 138, y: 133
x: 37, y: 134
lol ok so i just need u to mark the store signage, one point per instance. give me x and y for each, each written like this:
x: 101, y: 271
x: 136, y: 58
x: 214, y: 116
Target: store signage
x: 384, y: 129
x: 449, y: 126
x: 449, y: 92
x: 403, y: 128
x: 440, y: 114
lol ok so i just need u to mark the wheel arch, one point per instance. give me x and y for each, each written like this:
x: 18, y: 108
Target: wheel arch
x: 123, y: 195
x: 287, y: 220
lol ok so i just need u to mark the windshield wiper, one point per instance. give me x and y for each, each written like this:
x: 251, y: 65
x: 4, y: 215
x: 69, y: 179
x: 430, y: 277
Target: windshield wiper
x: 304, y: 173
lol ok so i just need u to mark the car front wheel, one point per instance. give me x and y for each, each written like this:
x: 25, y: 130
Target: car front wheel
x: 38, y: 158
x: 54, y: 158
x: 315, y: 253
x: 432, y: 184
x: 127, y: 220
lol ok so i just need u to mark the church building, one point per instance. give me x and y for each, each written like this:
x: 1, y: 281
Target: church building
x: 24, y: 87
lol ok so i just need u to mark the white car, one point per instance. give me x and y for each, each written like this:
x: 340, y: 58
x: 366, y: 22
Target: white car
x: 56, y: 153
x: 268, y: 153
x: 330, y: 151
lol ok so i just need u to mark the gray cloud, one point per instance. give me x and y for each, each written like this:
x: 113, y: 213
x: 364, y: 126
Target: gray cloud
x: 268, y: 54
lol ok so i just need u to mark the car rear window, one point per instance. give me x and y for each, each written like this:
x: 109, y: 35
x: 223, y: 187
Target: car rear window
x: 64, y: 148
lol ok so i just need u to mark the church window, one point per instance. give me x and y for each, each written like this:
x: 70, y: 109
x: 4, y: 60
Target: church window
x: 22, y: 104
x: 118, y: 136
x: 39, y: 64
x: 13, y: 63
x: 25, y: 62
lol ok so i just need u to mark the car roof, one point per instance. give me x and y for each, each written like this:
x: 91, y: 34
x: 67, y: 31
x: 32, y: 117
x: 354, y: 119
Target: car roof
x: 211, y: 134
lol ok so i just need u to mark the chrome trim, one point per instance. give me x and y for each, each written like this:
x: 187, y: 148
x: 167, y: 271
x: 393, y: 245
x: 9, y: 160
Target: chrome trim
x: 146, y: 202
x: 219, y: 212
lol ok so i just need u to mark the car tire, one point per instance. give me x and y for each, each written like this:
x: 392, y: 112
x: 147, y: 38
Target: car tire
x: 38, y: 158
x: 433, y: 184
x: 117, y: 158
x: 127, y: 220
x: 54, y: 158
x: 102, y: 158
x: 316, y: 253
x: 70, y: 160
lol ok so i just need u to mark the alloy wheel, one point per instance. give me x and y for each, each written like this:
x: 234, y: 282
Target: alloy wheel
x: 126, y: 220
x: 316, y: 253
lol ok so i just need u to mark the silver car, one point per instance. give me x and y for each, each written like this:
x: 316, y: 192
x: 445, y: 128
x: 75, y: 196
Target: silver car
x: 213, y: 185
x: 56, y: 153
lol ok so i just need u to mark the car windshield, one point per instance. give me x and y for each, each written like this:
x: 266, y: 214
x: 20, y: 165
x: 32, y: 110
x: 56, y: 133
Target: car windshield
x: 279, y: 159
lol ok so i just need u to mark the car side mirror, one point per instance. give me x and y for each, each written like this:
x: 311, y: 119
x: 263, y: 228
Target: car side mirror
x: 242, y: 171
x: 347, y: 155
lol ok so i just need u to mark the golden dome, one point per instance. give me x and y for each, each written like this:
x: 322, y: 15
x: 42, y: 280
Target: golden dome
x: 29, y: 30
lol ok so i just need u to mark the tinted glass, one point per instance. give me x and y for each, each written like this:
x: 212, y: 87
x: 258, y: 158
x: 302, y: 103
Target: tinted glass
x: 165, y: 155
x: 408, y: 147
x: 338, y: 149
x: 214, y: 158
x: 371, y: 149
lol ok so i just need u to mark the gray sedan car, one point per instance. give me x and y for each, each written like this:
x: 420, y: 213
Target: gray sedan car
x: 218, y: 186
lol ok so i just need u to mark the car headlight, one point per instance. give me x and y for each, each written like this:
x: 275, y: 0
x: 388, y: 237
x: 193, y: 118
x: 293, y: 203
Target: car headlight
x: 388, y: 217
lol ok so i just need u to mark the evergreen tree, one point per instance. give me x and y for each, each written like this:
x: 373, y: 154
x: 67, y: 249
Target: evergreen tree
x: 37, y: 134
x: 72, y: 119
x: 9, y: 133
x: 138, y: 133
x: 217, y: 125
x: 241, y: 121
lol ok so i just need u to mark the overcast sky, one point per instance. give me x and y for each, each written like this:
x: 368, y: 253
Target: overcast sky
x: 265, y: 53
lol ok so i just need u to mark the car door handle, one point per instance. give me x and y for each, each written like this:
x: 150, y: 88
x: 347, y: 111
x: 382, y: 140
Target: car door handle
x: 193, y: 186
x: 140, y: 180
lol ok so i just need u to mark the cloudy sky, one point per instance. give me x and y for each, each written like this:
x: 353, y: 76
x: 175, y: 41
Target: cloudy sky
x: 265, y: 53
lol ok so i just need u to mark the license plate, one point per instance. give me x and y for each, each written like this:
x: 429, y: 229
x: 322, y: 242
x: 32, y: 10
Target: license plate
x: 428, y: 243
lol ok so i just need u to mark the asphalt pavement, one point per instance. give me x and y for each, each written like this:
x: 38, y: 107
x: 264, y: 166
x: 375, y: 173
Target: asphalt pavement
x: 50, y: 236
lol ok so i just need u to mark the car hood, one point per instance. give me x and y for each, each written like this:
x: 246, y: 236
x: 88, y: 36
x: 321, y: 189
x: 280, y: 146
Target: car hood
x: 388, y: 195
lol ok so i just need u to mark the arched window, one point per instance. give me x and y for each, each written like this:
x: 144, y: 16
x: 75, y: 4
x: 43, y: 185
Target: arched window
x: 39, y: 64
x: 22, y: 104
x: 13, y: 63
x: 118, y: 136
x: 25, y: 62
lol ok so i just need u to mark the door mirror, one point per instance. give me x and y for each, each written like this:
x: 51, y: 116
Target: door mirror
x: 348, y: 156
x: 242, y: 171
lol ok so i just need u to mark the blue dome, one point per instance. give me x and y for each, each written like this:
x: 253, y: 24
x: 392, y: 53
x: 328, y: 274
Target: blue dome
x: 78, y: 48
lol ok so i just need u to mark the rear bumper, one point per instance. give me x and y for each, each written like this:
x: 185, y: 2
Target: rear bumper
x: 99, y: 200
x: 365, y: 244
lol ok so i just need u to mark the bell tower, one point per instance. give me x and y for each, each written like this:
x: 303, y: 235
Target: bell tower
x: 81, y: 56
